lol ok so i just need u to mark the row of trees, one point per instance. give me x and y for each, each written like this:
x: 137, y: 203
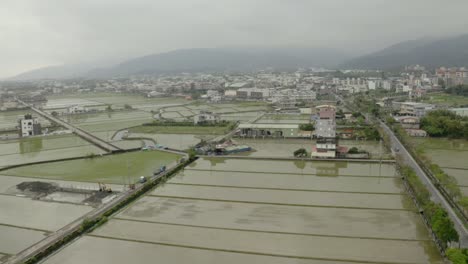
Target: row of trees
x: 461, y: 89
x: 440, y: 223
x: 445, y: 123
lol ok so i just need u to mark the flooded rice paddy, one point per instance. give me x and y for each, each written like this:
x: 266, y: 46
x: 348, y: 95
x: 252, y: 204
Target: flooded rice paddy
x: 24, y: 222
x: 174, y: 141
x: 26, y: 150
x: 265, y: 211
x: 451, y: 155
x: 9, y: 119
x: 286, y: 147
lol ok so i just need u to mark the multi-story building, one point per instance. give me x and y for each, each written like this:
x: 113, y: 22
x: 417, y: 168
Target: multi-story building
x: 415, y: 109
x: 29, y: 126
x: 325, y: 131
x: 453, y: 76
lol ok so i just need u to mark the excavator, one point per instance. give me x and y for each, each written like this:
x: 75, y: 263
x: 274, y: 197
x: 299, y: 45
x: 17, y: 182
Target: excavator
x: 104, y: 188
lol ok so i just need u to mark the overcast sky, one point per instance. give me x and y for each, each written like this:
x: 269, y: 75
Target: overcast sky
x: 37, y: 33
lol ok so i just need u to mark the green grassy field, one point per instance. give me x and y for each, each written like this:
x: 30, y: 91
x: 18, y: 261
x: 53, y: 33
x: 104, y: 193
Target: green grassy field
x: 195, y: 130
x: 117, y: 169
x: 37, y: 144
x: 446, y: 99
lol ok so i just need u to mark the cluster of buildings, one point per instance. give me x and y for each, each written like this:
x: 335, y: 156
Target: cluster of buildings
x: 409, y: 115
x: 453, y: 76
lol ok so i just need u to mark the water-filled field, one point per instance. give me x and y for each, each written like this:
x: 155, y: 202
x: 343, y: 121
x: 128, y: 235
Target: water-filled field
x: 24, y: 221
x: 286, y: 147
x: 174, y: 141
x: 451, y: 155
x: 266, y: 211
x: 9, y: 119
x: 42, y: 148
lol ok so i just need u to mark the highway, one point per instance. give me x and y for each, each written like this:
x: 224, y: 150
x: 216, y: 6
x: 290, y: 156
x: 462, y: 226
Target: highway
x: 436, y: 196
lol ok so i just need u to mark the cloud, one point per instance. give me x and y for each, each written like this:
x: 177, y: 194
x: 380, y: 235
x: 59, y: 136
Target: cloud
x: 47, y: 32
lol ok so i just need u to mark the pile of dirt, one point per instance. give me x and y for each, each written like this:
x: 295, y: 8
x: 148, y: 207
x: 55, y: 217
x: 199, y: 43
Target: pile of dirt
x: 96, y: 197
x: 38, y: 187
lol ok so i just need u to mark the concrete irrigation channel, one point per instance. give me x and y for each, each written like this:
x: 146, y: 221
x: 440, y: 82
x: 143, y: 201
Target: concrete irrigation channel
x: 56, y: 237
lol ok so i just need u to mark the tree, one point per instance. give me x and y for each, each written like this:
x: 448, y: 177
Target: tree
x: 54, y: 113
x: 441, y: 83
x: 457, y: 256
x: 464, y: 202
x: 307, y: 127
x: 442, y: 225
x: 300, y: 153
x: 109, y: 108
x: 339, y: 113
x: 353, y: 150
x: 128, y: 107
x: 192, y: 153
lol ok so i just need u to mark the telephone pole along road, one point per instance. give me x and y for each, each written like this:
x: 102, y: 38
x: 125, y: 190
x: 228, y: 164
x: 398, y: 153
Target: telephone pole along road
x: 436, y: 196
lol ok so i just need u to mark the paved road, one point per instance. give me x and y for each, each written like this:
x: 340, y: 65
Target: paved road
x: 81, y: 133
x: 436, y: 195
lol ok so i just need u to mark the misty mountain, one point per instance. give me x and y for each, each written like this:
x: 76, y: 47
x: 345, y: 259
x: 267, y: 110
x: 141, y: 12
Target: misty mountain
x: 197, y: 60
x: 224, y: 59
x: 428, y: 52
x: 54, y: 72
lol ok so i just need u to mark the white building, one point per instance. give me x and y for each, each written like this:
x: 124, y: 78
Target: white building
x: 76, y: 109
x: 29, y: 126
x: 206, y: 117
x: 415, y: 109
x: 230, y: 93
x: 387, y: 85
x: 371, y: 85
x: 460, y: 111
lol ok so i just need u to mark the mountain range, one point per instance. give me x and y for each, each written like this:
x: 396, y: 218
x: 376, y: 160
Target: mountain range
x: 198, y: 60
x: 429, y: 52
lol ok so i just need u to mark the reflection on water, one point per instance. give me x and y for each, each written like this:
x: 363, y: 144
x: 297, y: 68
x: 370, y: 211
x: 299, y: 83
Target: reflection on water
x: 330, y: 168
x: 30, y: 145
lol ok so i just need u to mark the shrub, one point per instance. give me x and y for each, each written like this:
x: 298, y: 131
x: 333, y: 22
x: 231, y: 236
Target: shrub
x: 457, y: 255
x: 300, y: 152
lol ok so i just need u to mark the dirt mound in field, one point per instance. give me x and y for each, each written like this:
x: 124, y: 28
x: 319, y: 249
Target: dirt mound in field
x: 38, y: 187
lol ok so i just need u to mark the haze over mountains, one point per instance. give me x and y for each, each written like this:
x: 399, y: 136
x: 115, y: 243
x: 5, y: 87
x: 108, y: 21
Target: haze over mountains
x: 429, y: 52
x: 200, y: 59
x: 432, y: 53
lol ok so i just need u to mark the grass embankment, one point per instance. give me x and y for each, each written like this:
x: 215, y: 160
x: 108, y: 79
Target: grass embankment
x: 183, y: 128
x: 118, y: 169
